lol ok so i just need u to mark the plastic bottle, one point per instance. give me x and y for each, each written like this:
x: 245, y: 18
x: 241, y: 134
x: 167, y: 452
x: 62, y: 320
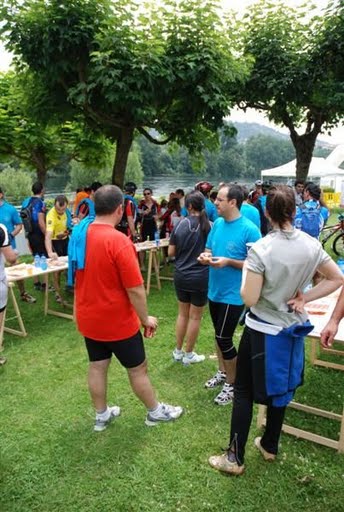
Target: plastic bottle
x: 37, y: 261
x: 298, y: 223
x: 340, y: 263
x: 157, y: 238
x: 43, y: 262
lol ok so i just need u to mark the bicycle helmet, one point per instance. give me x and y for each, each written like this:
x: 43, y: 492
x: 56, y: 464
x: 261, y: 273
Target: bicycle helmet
x: 130, y: 187
x: 204, y: 187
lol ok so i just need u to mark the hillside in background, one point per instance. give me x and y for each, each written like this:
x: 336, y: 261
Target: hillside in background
x: 248, y: 130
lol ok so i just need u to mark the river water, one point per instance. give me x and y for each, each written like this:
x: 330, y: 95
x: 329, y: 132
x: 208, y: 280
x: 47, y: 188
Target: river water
x: 161, y: 185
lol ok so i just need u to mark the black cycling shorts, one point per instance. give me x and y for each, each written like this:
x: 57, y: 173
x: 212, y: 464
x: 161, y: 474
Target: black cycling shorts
x: 130, y: 352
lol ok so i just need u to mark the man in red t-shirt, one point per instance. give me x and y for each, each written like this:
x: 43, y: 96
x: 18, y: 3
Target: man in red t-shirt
x: 110, y: 308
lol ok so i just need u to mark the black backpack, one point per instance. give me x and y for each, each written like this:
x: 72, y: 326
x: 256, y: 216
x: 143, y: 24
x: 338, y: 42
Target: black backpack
x: 26, y: 216
x: 123, y: 225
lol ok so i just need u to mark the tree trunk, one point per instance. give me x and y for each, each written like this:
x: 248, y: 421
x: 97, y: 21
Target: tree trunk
x: 39, y: 161
x: 123, y: 145
x: 304, y: 147
x: 304, y: 144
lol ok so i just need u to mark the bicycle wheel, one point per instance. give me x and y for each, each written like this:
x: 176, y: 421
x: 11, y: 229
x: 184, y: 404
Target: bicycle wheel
x: 338, y: 245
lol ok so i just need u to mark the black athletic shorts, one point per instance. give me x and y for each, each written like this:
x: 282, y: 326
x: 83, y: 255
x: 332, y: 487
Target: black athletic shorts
x: 37, y: 245
x: 61, y: 246
x: 129, y: 352
x: 196, y: 298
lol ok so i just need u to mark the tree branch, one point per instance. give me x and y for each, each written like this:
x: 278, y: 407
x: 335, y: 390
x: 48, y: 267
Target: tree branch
x: 151, y: 139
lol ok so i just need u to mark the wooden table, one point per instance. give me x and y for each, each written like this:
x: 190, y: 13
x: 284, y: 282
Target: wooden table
x: 22, y: 273
x: 319, y: 314
x: 153, y: 261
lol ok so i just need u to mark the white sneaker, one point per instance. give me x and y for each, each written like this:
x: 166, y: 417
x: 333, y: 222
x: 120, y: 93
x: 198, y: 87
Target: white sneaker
x: 166, y: 413
x: 177, y: 356
x: 194, y: 358
x: 226, y: 395
x: 218, y: 379
x: 102, y: 424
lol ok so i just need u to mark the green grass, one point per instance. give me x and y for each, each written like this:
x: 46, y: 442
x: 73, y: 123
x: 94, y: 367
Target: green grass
x: 52, y: 461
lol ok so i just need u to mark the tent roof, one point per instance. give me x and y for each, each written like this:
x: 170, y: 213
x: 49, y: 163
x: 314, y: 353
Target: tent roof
x: 319, y: 167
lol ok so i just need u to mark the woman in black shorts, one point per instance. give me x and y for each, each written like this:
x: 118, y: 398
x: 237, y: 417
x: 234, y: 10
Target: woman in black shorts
x: 190, y: 277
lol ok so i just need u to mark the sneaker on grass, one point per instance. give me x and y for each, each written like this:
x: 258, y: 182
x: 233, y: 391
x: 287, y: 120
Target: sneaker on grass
x: 162, y: 414
x: 103, y: 420
x: 218, y: 379
x: 226, y: 395
x: 26, y: 297
x: 226, y: 463
x: 192, y: 357
x: 177, y: 355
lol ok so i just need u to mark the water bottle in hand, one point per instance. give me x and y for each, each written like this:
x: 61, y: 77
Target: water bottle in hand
x: 43, y: 262
x: 37, y: 261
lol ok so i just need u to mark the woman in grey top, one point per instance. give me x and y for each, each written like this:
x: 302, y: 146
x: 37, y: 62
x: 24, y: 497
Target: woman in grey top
x: 190, y: 277
x: 271, y: 353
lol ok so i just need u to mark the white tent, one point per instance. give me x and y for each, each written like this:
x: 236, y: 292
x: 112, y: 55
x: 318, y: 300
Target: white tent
x: 321, y: 168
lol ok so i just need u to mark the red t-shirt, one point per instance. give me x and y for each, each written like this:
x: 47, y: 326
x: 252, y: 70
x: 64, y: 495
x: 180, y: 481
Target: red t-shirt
x: 103, y: 309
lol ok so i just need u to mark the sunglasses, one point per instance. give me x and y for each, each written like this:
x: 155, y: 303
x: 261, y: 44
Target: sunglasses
x: 146, y: 193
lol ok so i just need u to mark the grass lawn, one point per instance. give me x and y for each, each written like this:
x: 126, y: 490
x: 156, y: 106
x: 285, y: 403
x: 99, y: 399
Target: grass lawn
x: 51, y: 460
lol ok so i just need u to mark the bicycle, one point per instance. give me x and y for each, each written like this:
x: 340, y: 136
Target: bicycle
x: 330, y: 231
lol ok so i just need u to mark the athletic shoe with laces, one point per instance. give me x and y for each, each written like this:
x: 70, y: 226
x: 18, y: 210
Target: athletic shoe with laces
x: 194, y: 358
x: 218, y: 379
x: 226, y: 395
x: 177, y: 356
x: 101, y: 424
x: 269, y: 457
x: 165, y: 413
x: 26, y: 297
x: 226, y: 463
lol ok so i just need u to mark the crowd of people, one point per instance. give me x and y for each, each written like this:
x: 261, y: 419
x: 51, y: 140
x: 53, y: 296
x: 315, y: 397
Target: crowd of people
x: 251, y: 255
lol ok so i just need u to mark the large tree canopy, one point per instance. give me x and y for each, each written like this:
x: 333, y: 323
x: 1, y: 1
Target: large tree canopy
x: 37, y: 144
x: 297, y: 73
x: 163, y: 69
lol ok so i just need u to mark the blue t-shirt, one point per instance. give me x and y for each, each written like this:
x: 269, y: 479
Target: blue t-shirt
x: 229, y: 239
x: 10, y: 218
x: 251, y: 212
x: 210, y: 208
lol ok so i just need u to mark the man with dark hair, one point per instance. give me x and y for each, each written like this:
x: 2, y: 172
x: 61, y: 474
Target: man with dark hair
x: 110, y: 308
x: 299, y: 186
x: 181, y: 196
x: 226, y: 250
x: 13, y: 223
x: 57, y: 236
x: 260, y: 204
x: 127, y: 224
x: 86, y: 205
x: 311, y: 215
x: 36, y: 238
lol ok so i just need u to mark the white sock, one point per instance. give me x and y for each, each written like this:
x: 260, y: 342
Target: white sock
x: 156, y: 410
x: 178, y: 351
x: 104, y: 415
x: 189, y: 354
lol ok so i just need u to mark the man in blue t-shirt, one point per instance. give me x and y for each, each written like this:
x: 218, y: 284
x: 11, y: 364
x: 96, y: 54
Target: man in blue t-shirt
x: 249, y: 211
x: 13, y: 223
x: 226, y: 250
x: 36, y: 238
